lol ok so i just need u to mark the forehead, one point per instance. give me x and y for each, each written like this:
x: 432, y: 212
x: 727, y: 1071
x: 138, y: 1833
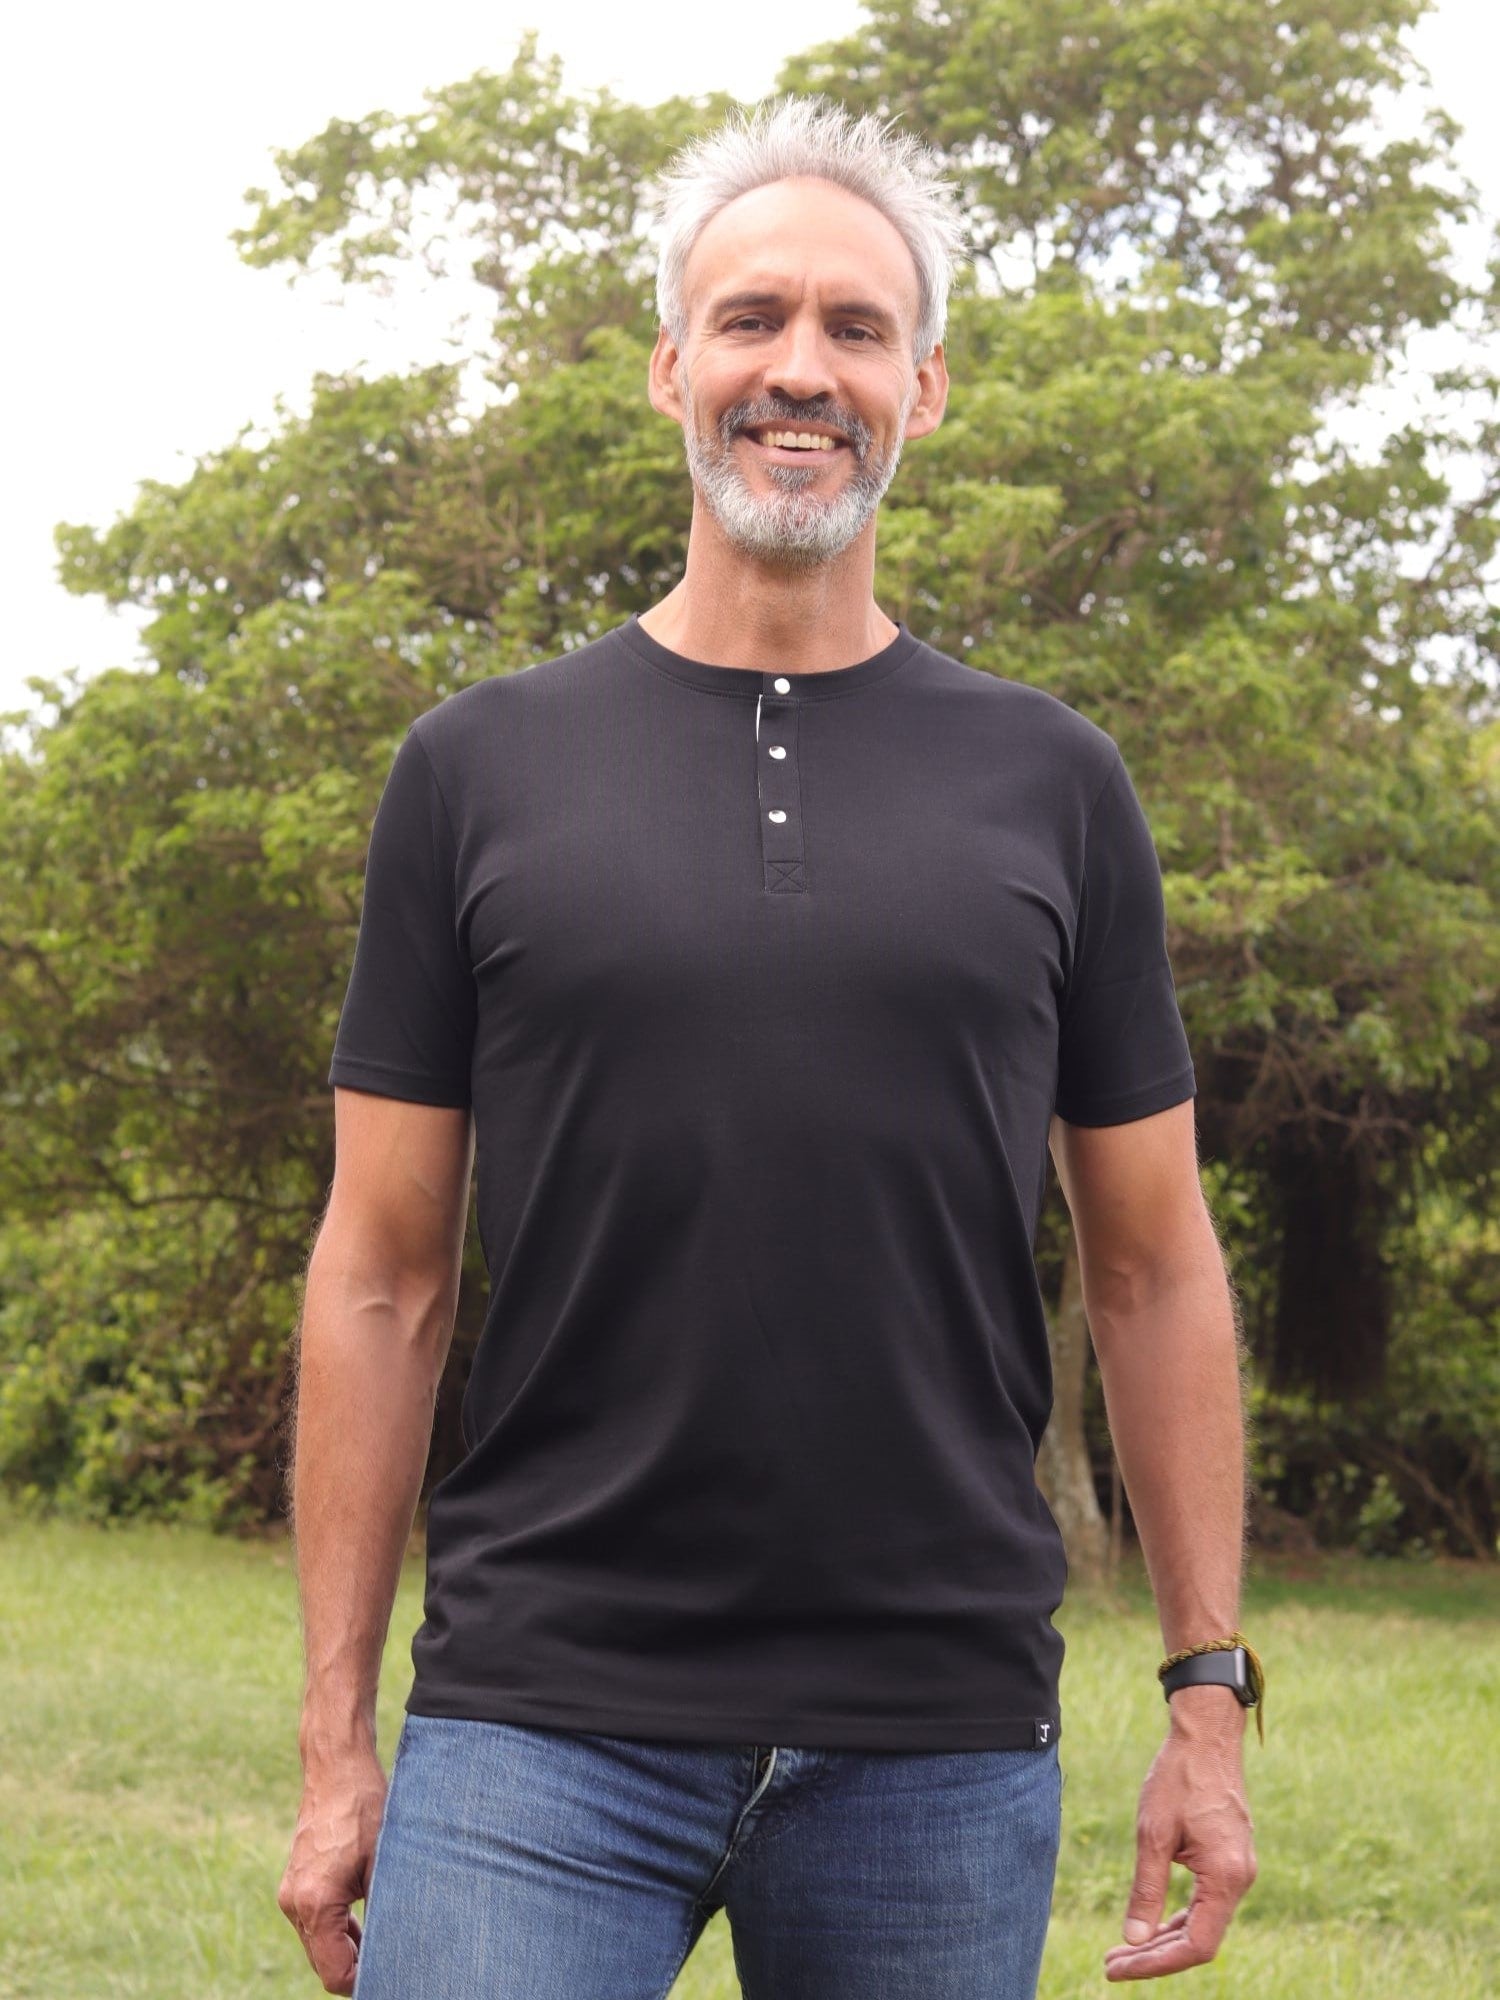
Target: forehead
x: 799, y: 234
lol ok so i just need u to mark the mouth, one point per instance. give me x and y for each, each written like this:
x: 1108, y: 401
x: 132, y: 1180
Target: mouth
x: 794, y: 454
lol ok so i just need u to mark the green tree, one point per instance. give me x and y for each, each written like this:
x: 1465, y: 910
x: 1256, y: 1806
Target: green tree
x: 1195, y: 255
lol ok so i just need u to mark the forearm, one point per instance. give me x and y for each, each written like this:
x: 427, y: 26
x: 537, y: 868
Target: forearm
x: 1170, y: 1365
x: 370, y: 1356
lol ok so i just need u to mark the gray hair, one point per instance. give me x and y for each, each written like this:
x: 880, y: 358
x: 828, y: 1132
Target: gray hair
x: 812, y: 136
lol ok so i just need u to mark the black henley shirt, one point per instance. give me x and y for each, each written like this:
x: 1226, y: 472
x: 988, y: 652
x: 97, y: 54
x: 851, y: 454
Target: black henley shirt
x: 763, y: 990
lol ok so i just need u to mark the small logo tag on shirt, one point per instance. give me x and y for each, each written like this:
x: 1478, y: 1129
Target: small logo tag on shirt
x: 1042, y: 1735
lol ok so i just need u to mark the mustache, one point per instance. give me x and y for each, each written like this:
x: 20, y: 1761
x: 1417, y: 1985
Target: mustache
x: 853, y: 433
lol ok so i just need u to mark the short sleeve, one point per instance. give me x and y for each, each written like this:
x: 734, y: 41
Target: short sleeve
x: 1122, y: 1048
x: 407, y: 1024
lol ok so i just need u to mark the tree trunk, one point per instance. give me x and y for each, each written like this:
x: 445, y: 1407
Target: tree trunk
x: 1332, y: 1319
x: 1063, y: 1470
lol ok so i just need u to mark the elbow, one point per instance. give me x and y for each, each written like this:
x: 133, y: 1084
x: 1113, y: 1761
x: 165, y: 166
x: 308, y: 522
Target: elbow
x: 359, y: 1286
x: 1119, y: 1290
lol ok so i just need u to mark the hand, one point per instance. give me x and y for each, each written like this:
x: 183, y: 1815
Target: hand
x: 1193, y: 1810
x: 333, y: 1855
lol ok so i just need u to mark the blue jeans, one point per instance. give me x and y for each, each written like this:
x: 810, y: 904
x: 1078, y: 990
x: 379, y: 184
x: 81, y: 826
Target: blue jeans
x: 519, y: 1863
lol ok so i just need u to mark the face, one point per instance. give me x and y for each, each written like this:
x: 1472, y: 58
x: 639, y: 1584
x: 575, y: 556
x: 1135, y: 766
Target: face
x: 801, y: 302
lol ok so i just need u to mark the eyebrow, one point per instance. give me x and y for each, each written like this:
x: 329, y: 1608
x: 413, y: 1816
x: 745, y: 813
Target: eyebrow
x: 855, y: 308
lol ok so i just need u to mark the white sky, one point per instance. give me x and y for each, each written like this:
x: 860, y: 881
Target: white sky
x: 136, y: 339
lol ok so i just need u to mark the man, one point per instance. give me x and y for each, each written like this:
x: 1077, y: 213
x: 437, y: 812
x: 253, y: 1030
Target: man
x: 759, y: 949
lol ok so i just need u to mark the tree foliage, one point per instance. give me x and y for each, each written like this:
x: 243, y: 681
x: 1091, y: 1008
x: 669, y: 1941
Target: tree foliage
x: 1196, y: 255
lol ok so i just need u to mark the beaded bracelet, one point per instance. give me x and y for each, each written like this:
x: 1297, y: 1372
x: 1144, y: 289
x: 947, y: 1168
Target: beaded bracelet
x: 1255, y: 1672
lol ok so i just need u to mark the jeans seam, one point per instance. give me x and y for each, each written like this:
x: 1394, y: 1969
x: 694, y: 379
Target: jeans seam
x: 696, y: 1925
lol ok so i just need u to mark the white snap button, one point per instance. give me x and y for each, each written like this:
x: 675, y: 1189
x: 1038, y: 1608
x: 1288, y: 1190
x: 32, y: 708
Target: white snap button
x: 783, y: 685
x: 777, y: 816
x: 778, y: 750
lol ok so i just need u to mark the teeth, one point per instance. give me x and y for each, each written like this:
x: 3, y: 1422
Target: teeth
x: 799, y: 440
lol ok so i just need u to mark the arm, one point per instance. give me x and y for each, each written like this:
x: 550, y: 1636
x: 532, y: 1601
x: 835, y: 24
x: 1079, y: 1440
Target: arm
x: 377, y: 1321
x: 1161, y: 1315
x: 1156, y: 1296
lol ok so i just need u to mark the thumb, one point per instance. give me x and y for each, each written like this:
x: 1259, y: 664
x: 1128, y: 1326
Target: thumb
x: 1148, y: 1892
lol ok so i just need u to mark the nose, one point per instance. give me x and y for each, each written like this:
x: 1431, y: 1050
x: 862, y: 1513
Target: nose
x: 798, y: 366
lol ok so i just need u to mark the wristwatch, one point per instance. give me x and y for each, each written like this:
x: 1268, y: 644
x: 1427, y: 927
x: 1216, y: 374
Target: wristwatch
x: 1226, y: 1667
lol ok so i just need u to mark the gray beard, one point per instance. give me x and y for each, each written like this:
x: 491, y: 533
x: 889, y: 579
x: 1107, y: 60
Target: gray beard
x: 791, y: 527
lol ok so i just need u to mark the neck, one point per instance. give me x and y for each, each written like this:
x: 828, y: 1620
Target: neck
x: 731, y: 611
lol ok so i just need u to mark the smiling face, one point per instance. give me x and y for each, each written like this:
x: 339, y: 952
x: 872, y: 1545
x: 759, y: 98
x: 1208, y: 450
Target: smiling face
x: 796, y: 387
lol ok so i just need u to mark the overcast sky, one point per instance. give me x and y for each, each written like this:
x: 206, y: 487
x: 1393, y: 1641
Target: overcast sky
x: 136, y: 339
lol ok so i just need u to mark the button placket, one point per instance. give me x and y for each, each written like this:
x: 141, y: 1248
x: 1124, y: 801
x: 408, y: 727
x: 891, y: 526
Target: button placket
x: 778, y: 788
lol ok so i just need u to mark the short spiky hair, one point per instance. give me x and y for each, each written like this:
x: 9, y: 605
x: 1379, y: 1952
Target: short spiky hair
x: 815, y: 137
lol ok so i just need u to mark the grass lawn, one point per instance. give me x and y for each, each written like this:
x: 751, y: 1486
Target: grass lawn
x: 149, y: 1681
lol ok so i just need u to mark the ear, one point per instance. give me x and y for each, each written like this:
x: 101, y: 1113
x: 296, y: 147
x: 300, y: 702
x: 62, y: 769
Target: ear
x: 932, y: 395
x: 661, y: 377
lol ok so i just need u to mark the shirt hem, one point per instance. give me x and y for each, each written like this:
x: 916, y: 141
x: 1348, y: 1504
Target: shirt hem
x: 746, y: 1726
x: 357, y: 1074
x: 1134, y: 1104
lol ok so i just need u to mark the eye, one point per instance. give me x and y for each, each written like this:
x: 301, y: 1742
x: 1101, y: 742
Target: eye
x: 754, y: 319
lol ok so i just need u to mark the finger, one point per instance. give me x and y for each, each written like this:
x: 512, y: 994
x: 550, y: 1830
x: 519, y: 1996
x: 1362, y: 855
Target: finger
x: 1131, y: 1951
x: 1163, y: 1931
x: 1208, y: 1915
x: 1152, y: 1961
x: 1153, y: 1870
x: 1175, y: 1922
x: 332, y: 1951
x: 1192, y: 1941
x: 1129, y: 1955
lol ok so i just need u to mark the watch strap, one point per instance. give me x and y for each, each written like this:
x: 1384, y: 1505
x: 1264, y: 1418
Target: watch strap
x: 1229, y: 1662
